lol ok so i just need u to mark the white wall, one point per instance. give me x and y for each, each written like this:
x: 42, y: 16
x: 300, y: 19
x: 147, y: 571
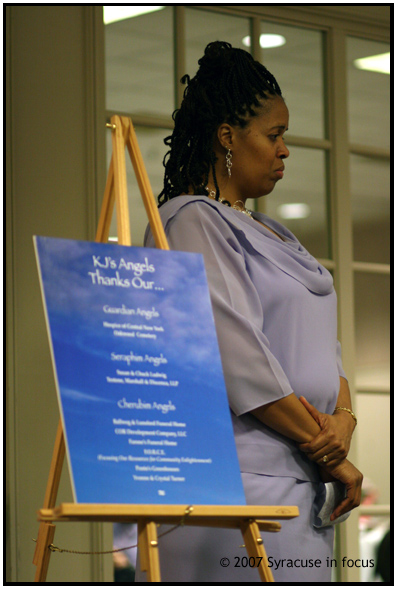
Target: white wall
x: 51, y: 190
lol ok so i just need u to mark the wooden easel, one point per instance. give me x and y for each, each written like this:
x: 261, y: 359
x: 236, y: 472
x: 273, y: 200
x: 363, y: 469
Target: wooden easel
x: 248, y: 518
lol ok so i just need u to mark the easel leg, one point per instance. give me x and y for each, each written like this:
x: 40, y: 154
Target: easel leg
x: 255, y: 548
x: 120, y: 182
x: 42, y: 554
x: 46, y: 532
x: 149, y: 553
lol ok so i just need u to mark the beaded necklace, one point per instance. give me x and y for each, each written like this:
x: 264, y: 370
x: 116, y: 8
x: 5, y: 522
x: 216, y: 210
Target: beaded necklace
x: 241, y: 208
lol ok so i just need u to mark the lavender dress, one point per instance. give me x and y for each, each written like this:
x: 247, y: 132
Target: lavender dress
x: 275, y: 313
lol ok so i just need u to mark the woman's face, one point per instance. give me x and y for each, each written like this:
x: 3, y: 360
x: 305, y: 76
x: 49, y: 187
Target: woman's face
x: 258, y: 152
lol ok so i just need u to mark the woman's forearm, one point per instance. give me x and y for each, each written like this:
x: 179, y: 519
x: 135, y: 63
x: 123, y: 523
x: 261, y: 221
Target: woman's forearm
x: 344, y: 397
x: 344, y: 401
x: 289, y: 417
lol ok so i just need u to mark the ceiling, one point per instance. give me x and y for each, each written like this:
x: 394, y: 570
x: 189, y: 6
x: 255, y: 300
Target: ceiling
x: 369, y: 14
x: 376, y: 13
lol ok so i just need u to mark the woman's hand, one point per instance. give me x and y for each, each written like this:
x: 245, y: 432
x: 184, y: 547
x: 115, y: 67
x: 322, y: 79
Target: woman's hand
x: 352, y: 479
x: 334, y: 439
x: 325, y: 475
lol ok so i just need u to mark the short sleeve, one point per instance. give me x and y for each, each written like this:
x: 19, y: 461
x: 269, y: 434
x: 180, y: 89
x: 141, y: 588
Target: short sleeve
x: 253, y: 375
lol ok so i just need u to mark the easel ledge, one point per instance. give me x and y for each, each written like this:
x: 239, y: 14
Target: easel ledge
x: 165, y: 514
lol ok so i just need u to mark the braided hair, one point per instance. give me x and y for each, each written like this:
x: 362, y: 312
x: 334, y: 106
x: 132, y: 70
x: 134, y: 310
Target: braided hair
x: 227, y: 87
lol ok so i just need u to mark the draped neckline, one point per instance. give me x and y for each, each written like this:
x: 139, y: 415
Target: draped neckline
x: 288, y: 254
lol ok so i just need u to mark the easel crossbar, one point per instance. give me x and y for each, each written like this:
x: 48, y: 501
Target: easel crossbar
x: 170, y: 514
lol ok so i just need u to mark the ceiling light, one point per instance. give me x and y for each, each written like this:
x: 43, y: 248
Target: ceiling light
x: 112, y: 13
x: 266, y: 41
x: 293, y: 211
x: 374, y: 63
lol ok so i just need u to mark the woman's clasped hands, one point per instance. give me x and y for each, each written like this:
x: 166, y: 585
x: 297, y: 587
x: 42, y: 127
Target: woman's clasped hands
x: 334, y: 439
x: 329, y: 449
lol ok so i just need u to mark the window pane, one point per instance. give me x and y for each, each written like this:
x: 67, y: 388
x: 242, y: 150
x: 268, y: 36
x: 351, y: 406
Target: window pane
x: 298, y: 67
x: 203, y: 27
x: 368, y: 96
x: 373, y: 446
x: 301, y: 58
x: 153, y: 150
x: 139, y: 64
x: 304, y: 184
x: 372, y: 331
x: 370, y: 194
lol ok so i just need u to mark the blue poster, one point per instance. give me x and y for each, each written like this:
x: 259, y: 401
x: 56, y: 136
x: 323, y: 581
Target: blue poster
x: 138, y: 374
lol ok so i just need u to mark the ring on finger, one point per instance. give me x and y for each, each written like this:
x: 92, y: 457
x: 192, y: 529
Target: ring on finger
x: 325, y: 459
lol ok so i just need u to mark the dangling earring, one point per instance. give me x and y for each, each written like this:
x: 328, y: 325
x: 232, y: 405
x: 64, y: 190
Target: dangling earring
x: 228, y: 163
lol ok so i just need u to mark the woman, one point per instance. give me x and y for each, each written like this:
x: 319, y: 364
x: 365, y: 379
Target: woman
x: 275, y: 314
